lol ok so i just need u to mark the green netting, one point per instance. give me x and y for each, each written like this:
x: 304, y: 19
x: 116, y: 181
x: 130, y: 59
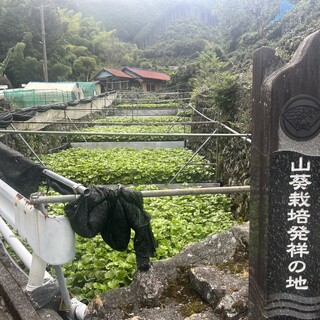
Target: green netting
x: 88, y: 88
x: 30, y: 98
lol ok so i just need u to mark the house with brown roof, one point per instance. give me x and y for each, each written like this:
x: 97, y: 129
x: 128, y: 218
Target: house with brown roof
x: 128, y: 77
x: 149, y: 80
x: 112, y: 79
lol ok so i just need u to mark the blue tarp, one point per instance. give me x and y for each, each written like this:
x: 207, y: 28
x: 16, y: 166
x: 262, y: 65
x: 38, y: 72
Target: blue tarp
x: 285, y: 7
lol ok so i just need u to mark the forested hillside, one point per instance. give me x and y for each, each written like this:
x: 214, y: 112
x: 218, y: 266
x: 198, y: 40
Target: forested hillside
x: 76, y: 46
x: 210, y: 43
x: 83, y: 36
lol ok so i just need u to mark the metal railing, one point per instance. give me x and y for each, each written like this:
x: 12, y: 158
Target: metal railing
x: 46, y: 235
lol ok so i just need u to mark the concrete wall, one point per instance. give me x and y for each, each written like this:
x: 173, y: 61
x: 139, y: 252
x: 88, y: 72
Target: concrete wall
x: 134, y: 145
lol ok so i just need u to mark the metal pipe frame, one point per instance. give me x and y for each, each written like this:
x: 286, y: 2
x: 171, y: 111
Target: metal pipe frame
x: 128, y: 134
x: 106, y: 123
x: 151, y: 193
x: 219, y: 123
x: 27, y: 144
x: 191, y: 158
x: 77, y: 187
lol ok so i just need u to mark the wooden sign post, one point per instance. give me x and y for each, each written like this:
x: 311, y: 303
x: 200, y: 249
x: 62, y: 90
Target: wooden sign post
x: 285, y: 192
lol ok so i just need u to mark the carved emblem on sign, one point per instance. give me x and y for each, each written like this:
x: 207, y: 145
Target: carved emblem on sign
x: 300, y: 118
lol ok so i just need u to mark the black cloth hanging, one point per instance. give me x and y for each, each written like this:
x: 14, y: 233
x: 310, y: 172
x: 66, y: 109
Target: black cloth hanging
x: 19, y: 172
x: 113, y: 213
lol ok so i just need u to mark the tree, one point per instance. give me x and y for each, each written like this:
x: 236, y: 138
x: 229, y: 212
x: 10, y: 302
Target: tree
x: 23, y: 69
x: 15, y: 67
x: 246, y: 16
x: 114, y: 53
x: 214, y: 86
x: 4, y: 64
x: 84, y: 66
x: 60, y: 72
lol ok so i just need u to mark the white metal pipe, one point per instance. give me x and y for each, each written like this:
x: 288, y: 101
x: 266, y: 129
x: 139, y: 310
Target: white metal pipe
x: 190, y: 159
x: 52, y: 199
x: 64, y: 292
x: 17, y: 246
x: 79, y: 309
x: 152, y: 193
x: 194, y: 191
x: 27, y: 144
x: 129, y: 134
x: 36, y: 265
x: 109, y: 123
x: 79, y: 188
x: 36, y: 274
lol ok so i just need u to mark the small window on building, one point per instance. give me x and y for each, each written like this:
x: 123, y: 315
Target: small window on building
x: 151, y: 87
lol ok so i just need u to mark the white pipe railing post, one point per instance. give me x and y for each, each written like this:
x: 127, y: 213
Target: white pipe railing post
x: 36, y: 274
x: 46, y: 235
x: 17, y: 246
x: 65, y: 297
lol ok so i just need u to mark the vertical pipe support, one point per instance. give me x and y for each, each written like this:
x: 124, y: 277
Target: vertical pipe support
x: 64, y: 292
x: 36, y: 274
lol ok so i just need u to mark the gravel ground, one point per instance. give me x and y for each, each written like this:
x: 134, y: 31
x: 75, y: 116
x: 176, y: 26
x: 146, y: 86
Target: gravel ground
x: 4, y: 310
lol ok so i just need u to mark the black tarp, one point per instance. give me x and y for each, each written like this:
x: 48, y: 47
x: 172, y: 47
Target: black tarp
x: 5, y: 119
x: 43, y: 108
x: 19, y: 172
x: 86, y: 100
x: 24, y: 114
x: 73, y: 103
x: 59, y: 106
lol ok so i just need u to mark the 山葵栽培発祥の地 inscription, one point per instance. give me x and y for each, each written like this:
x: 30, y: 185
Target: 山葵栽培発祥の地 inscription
x: 297, y: 219
x: 294, y: 220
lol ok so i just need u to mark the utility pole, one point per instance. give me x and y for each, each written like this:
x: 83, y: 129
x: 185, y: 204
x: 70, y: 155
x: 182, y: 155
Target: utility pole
x: 43, y: 35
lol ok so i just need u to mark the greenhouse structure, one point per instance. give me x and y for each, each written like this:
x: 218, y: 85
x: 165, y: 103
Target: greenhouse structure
x: 44, y: 93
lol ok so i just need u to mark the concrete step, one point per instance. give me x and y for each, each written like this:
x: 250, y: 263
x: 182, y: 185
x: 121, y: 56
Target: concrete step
x: 146, y: 111
x: 138, y: 145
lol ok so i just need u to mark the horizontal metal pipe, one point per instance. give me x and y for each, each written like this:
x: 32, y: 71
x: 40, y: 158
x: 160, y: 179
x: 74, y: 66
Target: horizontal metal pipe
x: 194, y: 191
x: 133, y: 123
x: 78, y: 188
x: 137, y: 106
x: 127, y: 134
x: 154, y: 94
x: 153, y: 193
x: 52, y: 199
x: 231, y: 130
